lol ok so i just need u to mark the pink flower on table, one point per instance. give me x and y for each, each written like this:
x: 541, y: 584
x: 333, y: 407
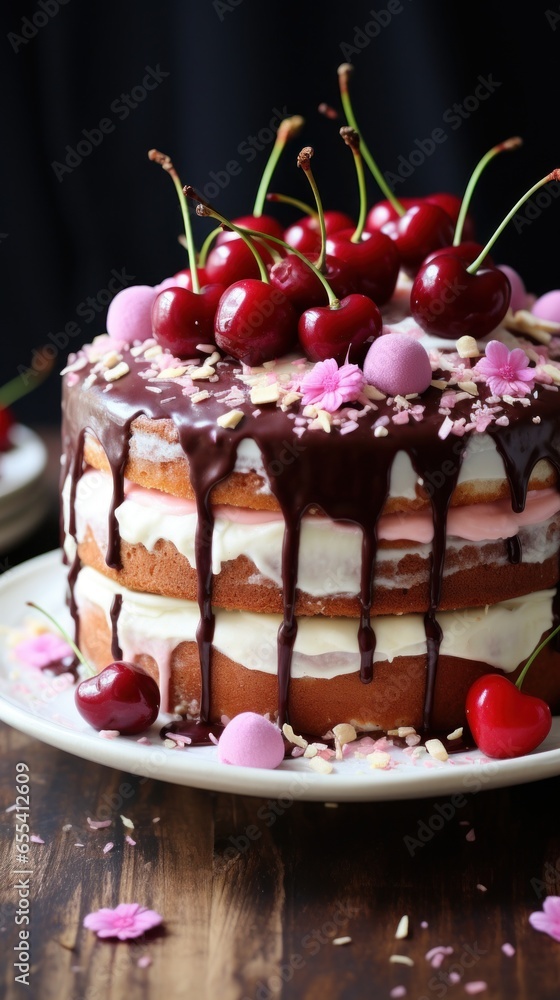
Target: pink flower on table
x: 548, y: 919
x: 127, y: 920
x: 327, y: 386
x: 41, y: 650
x: 506, y: 372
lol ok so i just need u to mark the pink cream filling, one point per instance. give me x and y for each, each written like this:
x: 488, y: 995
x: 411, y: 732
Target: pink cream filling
x: 474, y: 522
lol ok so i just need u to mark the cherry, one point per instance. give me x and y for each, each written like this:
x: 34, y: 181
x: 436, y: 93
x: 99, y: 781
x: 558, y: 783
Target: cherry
x: 451, y: 297
x: 122, y: 697
x: 264, y: 224
x: 6, y: 423
x: 182, y: 319
x: 255, y: 322
x: 302, y: 287
x: 233, y: 261
x: 448, y: 300
x: 340, y: 329
x: 183, y: 278
x: 375, y: 262
x: 383, y: 211
x: 505, y: 722
x: 294, y: 276
x: 305, y: 234
x: 422, y: 228
x: 392, y: 208
x: 468, y: 250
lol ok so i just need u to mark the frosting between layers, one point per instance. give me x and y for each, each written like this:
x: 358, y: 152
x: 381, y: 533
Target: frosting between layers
x: 501, y: 636
x: 329, y: 561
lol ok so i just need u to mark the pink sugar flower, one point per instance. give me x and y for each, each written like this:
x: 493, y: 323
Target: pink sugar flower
x: 327, y: 386
x: 506, y: 372
x: 41, y: 650
x: 548, y: 919
x: 128, y: 920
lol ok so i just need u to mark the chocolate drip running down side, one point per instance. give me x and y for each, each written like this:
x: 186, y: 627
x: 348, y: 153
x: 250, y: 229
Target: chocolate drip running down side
x: 116, y: 605
x: 514, y: 550
x: 521, y: 445
x: 345, y: 476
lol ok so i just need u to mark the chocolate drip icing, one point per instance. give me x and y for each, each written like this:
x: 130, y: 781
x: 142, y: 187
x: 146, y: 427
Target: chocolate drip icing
x: 210, y: 460
x: 346, y: 477
x: 116, y: 605
x: 514, y: 549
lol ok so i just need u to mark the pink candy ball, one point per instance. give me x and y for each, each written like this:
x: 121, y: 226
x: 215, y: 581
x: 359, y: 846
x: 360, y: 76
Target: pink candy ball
x: 398, y: 365
x: 548, y: 306
x: 250, y: 740
x: 166, y: 283
x: 518, y: 291
x: 129, y: 316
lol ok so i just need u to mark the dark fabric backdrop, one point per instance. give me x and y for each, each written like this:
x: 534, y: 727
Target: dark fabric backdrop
x: 220, y: 72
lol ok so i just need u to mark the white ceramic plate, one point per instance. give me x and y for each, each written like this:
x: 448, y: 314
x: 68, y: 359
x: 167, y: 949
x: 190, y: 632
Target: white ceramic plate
x: 43, y: 707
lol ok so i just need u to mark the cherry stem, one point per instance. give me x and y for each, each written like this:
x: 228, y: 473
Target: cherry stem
x: 352, y: 139
x: 207, y: 210
x: 554, y: 175
x: 344, y: 73
x: 304, y: 161
x: 205, y: 248
x: 287, y: 129
x: 65, y: 636
x: 165, y: 162
x: 17, y: 387
x: 333, y: 301
x: 287, y: 199
x: 534, y: 655
x: 501, y: 147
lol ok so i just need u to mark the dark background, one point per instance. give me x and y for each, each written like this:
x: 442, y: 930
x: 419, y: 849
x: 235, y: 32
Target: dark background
x: 230, y: 65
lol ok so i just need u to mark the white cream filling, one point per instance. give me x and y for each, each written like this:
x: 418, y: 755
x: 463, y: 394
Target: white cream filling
x: 330, y: 554
x: 502, y: 635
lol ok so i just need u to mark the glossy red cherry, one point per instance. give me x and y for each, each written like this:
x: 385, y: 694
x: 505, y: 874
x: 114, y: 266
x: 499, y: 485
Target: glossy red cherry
x: 255, y: 322
x: 383, y: 211
x: 261, y: 223
x: 122, y: 697
x: 375, y: 262
x: 305, y: 236
x: 233, y: 261
x: 183, y: 278
x: 182, y: 319
x: 448, y: 301
x: 6, y: 422
x: 468, y: 250
x: 303, y: 288
x: 339, y: 331
x: 504, y: 721
x: 420, y: 230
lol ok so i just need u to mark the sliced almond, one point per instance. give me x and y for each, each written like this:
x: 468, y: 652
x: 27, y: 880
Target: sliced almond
x: 436, y: 749
x: 153, y: 352
x: 292, y: 737
x: 372, y: 393
x: 325, y: 420
x: 470, y: 387
x: 456, y: 734
x: 320, y: 765
x: 172, y: 372
x: 467, y: 347
x: 117, y: 372
x: 402, y: 928
x: 230, y: 419
x: 265, y: 394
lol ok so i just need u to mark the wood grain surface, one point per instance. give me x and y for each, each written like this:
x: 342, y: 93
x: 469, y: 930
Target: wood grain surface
x: 253, y: 892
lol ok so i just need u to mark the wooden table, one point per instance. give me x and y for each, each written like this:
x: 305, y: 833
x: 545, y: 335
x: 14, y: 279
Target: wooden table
x: 256, y: 918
